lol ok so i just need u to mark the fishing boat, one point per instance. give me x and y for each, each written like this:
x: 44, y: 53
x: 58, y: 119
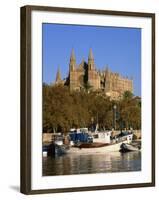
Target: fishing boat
x: 100, y: 142
x: 95, y: 148
x: 83, y: 142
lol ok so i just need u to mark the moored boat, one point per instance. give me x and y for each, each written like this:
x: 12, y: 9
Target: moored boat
x: 127, y: 147
x: 99, y: 142
x: 95, y: 148
x: 83, y: 142
x: 56, y: 147
x: 57, y: 150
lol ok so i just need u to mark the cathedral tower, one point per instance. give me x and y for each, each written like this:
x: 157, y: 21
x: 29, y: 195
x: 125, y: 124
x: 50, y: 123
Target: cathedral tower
x: 93, y: 76
x: 107, y: 80
x: 72, y: 61
x: 91, y: 60
x: 73, y: 72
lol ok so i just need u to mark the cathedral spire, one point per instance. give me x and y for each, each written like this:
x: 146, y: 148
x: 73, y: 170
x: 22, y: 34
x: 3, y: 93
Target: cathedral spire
x: 91, y: 65
x: 106, y: 69
x: 58, y: 75
x: 72, y: 61
x: 90, y: 57
x: 72, y: 55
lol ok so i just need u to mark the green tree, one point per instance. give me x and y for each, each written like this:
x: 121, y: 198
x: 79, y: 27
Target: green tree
x: 63, y: 109
x: 127, y: 95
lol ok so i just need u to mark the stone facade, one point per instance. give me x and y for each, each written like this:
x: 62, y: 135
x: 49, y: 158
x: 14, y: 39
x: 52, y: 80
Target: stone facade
x: 86, y: 76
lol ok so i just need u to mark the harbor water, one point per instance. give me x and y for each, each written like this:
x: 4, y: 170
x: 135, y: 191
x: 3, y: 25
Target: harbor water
x: 92, y: 163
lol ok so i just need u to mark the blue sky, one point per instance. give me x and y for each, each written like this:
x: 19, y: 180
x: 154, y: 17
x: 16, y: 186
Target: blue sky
x: 119, y: 48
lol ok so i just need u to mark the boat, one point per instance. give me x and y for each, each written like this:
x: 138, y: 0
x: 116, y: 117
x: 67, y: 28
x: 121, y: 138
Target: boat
x: 56, y: 147
x: 86, y: 148
x: 128, y: 147
x: 83, y: 142
x: 82, y: 135
x: 100, y: 142
x: 57, y: 150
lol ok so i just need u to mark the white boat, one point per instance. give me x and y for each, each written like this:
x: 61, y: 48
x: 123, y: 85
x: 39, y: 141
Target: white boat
x: 95, y: 148
x: 101, y: 142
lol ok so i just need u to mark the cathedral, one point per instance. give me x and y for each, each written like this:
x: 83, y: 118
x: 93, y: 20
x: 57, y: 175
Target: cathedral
x: 87, y: 76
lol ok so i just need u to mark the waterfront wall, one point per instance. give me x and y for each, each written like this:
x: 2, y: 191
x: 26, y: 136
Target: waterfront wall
x: 47, y: 137
x: 137, y: 134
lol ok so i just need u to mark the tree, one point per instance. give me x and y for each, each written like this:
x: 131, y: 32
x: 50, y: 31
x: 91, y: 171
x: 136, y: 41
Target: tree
x: 127, y: 95
x: 130, y: 112
x: 63, y: 110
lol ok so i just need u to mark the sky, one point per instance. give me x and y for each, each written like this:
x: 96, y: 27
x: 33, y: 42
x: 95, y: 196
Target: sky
x: 119, y: 48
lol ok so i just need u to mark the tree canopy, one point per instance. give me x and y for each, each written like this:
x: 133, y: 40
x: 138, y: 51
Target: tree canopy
x: 63, y: 110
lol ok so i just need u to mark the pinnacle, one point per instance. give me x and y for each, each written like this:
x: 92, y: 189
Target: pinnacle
x: 72, y: 55
x: 90, y: 54
x: 58, y: 75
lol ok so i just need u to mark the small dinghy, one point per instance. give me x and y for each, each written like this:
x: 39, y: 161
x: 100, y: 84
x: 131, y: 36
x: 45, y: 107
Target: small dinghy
x: 57, y: 150
x: 127, y: 147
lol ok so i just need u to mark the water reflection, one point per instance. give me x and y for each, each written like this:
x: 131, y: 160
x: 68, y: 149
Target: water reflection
x: 92, y: 163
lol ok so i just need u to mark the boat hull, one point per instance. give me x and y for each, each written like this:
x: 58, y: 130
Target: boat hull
x: 127, y: 148
x: 55, y: 150
x: 108, y: 148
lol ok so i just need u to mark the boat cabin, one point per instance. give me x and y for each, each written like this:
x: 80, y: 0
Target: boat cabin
x: 103, y: 137
x: 80, y: 136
